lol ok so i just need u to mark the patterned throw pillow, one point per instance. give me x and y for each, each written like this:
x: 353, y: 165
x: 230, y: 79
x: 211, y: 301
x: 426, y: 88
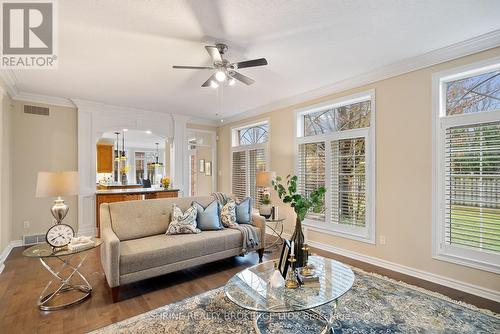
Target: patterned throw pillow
x: 228, y: 214
x: 183, y: 222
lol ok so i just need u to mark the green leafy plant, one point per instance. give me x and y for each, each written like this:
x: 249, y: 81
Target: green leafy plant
x: 301, y: 204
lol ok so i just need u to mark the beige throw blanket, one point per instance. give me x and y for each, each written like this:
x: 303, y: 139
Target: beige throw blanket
x: 249, y: 232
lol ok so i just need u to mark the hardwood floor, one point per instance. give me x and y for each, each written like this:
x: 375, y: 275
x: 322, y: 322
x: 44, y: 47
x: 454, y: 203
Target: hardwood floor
x: 23, y: 279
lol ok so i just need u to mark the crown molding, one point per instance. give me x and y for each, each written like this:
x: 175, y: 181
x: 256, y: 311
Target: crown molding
x: 44, y: 99
x: 453, y: 51
x: 9, y: 78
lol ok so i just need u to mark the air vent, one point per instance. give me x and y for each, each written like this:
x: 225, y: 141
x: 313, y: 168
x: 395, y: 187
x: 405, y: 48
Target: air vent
x: 36, y: 110
x: 33, y: 239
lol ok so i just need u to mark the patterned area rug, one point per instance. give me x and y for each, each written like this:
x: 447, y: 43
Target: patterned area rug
x: 375, y: 304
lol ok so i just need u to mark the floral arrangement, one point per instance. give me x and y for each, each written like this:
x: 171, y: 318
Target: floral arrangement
x: 124, y: 169
x: 165, y: 181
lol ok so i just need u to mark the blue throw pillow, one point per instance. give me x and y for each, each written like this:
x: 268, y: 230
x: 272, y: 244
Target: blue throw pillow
x: 244, y: 211
x: 207, y: 218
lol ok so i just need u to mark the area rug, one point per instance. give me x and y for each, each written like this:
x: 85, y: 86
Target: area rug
x: 375, y: 304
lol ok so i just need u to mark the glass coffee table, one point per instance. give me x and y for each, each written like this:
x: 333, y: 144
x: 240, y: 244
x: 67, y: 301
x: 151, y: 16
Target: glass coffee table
x: 291, y: 310
x: 43, y: 252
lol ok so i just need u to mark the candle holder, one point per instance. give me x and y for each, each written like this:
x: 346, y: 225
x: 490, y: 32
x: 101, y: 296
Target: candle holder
x: 291, y: 279
x: 308, y: 269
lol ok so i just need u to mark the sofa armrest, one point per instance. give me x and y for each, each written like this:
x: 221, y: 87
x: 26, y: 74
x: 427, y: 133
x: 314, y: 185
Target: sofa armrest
x: 110, y: 248
x: 260, y: 222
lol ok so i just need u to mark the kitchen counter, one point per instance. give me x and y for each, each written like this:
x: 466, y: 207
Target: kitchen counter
x: 133, y: 191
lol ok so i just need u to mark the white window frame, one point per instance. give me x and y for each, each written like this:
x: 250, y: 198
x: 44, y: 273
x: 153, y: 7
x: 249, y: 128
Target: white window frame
x: 235, y: 147
x: 440, y: 250
x: 364, y: 234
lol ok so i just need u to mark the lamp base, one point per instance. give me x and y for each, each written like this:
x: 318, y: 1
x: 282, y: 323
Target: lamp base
x: 59, y: 210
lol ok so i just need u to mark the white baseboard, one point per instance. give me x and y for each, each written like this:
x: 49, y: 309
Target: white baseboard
x: 6, y: 252
x: 425, y: 275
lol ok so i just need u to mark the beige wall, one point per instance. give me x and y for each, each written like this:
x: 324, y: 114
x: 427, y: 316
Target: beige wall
x: 5, y: 169
x: 41, y: 143
x: 403, y: 171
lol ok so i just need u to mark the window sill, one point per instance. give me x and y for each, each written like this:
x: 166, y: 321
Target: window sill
x: 468, y: 257
x: 348, y: 232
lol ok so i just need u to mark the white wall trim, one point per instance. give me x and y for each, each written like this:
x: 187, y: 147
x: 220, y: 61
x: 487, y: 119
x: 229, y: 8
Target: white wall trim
x: 425, y: 275
x: 10, y: 81
x: 44, y: 99
x: 5, y: 253
x: 454, y: 51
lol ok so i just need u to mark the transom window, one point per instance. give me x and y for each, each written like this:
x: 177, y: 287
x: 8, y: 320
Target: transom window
x: 255, y: 134
x: 467, y: 166
x: 334, y: 147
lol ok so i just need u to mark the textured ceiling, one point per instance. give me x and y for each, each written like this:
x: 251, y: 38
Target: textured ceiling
x: 122, y: 52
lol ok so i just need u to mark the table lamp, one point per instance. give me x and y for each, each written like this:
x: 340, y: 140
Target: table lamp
x: 57, y: 184
x: 264, y: 181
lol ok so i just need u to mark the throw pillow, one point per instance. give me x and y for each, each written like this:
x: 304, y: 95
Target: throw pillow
x: 207, y: 218
x: 228, y: 214
x: 244, y: 211
x: 183, y: 222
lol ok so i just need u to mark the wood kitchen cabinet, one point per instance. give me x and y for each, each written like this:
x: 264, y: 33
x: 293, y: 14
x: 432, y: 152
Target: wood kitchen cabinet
x: 104, y: 158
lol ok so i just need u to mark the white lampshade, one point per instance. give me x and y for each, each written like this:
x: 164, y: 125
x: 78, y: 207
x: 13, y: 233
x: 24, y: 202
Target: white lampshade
x: 53, y: 184
x: 264, y: 179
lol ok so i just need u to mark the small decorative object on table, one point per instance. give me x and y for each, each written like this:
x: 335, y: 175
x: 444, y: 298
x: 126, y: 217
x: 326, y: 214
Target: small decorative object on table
x: 308, y: 269
x: 80, y: 243
x: 165, y: 182
x: 291, y: 280
x: 276, y: 281
x: 285, y: 253
x: 302, y: 205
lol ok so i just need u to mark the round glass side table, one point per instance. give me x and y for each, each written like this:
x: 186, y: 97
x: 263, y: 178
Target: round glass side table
x: 44, y: 252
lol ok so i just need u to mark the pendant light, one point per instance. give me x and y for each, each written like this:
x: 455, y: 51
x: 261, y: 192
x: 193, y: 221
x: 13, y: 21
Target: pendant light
x: 123, y: 158
x: 157, y: 164
x: 117, y: 151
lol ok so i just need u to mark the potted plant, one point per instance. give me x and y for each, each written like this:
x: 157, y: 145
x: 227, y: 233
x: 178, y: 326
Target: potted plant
x: 301, y: 204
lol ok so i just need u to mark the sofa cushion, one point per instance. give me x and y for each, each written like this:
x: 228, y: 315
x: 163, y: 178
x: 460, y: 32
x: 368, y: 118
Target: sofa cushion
x: 137, y: 219
x: 244, y: 211
x: 208, y: 217
x: 183, y: 222
x: 159, y: 250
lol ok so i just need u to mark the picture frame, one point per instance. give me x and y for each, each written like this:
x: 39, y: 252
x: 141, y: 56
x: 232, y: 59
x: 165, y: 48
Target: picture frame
x: 208, y: 168
x: 284, y: 263
x: 202, y: 165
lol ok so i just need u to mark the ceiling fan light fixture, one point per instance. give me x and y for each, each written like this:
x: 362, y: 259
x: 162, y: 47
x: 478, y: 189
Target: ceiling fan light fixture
x: 232, y: 81
x: 220, y: 76
x: 214, y: 84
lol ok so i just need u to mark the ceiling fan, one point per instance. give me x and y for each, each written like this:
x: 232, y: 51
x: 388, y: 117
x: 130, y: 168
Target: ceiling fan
x: 225, y: 70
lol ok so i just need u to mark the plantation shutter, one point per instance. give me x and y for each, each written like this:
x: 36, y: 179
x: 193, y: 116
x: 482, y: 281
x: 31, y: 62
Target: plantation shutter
x: 311, y: 167
x: 239, y: 180
x: 257, y: 163
x: 348, y: 178
x: 472, y: 182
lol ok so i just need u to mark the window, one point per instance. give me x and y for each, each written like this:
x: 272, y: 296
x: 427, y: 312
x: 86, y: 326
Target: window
x: 335, y: 142
x: 467, y: 166
x: 248, y: 157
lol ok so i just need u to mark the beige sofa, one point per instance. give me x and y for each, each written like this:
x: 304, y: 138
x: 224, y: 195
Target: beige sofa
x: 135, y: 246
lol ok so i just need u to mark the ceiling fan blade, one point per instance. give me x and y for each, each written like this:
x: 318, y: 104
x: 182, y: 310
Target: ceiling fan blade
x: 251, y: 63
x: 207, y: 83
x: 243, y: 78
x: 193, y: 67
x: 214, y: 53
